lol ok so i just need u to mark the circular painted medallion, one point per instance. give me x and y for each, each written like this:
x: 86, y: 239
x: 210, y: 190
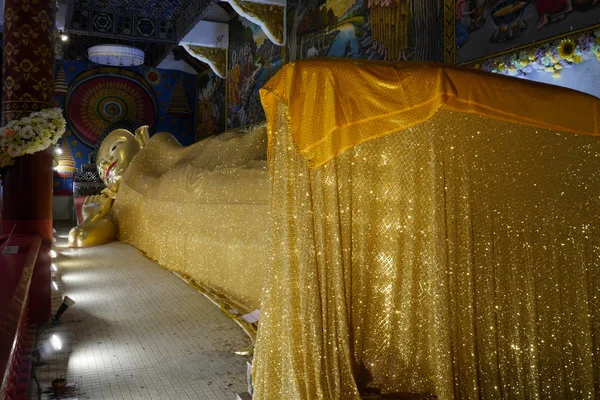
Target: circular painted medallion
x: 103, y: 98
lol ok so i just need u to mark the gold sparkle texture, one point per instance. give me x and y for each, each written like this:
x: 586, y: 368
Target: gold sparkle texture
x: 448, y: 250
x: 202, y: 211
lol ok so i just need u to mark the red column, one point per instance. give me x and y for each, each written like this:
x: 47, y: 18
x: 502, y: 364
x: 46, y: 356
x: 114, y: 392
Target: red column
x: 28, y: 75
x: 28, y: 83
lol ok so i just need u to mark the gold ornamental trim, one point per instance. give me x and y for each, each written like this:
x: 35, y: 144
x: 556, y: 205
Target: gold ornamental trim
x: 215, y: 57
x: 270, y: 17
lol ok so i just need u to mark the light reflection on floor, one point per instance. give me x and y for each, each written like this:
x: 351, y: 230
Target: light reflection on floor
x: 137, y: 331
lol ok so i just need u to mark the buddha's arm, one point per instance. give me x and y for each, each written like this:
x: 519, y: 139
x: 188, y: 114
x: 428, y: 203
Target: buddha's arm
x: 96, y: 228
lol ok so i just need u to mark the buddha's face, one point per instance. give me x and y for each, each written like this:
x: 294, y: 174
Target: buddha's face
x: 115, y: 153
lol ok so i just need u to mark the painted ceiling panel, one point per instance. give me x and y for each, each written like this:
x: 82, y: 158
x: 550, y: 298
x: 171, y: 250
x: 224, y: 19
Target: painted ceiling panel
x: 160, y: 9
x: 159, y: 22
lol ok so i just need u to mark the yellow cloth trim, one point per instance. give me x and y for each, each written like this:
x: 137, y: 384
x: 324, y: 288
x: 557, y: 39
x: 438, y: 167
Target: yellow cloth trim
x: 336, y: 104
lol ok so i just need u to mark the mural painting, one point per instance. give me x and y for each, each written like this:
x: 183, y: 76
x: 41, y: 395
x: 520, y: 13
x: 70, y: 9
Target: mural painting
x: 210, y: 112
x: 102, y: 97
x: 369, y: 29
x: 487, y: 27
x: 394, y: 30
x: 252, y: 61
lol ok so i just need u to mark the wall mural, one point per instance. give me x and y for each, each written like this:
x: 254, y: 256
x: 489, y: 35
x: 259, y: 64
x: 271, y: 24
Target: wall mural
x: 157, y: 83
x: 371, y: 29
x: 488, y: 27
x: 252, y: 61
x: 210, y: 111
x: 367, y: 29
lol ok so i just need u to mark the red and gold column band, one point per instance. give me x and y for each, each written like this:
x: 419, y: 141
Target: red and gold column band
x: 28, y: 74
x: 28, y: 57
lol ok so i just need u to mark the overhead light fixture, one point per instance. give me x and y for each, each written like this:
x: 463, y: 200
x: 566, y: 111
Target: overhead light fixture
x: 67, y: 302
x: 54, y: 343
x: 115, y: 54
x: 64, y: 37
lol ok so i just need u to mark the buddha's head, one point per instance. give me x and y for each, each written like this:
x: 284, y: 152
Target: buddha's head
x: 115, y: 153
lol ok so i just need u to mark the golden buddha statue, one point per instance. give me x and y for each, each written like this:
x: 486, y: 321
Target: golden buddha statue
x: 114, y: 156
x: 199, y: 210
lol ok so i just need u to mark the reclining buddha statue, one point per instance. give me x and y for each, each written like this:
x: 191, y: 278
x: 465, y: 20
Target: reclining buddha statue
x: 196, y: 210
x: 115, y: 155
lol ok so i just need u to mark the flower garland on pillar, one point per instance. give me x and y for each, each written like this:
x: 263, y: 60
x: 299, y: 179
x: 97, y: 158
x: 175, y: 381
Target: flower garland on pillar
x: 31, y: 134
x: 551, y: 57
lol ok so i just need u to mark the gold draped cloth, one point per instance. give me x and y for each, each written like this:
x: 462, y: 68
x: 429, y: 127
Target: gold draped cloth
x: 202, y: 211
x: 435, y: 231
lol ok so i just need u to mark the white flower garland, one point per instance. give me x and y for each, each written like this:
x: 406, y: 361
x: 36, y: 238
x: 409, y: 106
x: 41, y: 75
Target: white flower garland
x: 34, y: 133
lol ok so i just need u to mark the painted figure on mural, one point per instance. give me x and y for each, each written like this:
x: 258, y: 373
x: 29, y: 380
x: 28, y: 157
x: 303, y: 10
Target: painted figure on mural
x: 389, y: 24
x: 462, y: 33
x: 244, y: 54
x: 393, y: 30
x: 478, y: 16
x: 203, y: 101
x: 254, y: 59
x: 206, y: 112
x: 551, y: 10
x: 234, y: 79
x: 487, y: 27
x: 211, y: 102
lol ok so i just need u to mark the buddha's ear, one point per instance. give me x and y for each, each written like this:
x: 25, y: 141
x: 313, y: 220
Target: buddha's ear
x: 142, y: 135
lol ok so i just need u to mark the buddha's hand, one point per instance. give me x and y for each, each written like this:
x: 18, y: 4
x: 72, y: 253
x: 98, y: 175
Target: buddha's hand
x: 96, y: 228
x: 95, y: 207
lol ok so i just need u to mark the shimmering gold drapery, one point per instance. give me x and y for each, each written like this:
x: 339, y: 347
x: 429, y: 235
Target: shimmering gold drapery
x: 335, y: 104
x: 202, y: 211
x: 456, y: 255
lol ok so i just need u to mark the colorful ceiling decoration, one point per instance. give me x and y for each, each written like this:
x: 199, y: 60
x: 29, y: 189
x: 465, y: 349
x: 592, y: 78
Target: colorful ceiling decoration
x: 160, y: 21
x: 100, y: 22
x: 102, y: 97
x: 78, y: 44
x: 166, y: 9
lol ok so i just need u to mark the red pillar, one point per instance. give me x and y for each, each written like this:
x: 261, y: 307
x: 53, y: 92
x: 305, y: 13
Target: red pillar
x: 28, y: 83
x: 28, y: 75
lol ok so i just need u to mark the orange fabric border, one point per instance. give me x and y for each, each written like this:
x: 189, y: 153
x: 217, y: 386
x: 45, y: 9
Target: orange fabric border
x: 335, y: 104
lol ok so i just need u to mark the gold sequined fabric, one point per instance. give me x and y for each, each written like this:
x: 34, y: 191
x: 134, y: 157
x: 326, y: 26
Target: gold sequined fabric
x: 335, y: 104
x: 455, y: 257
x: 202, y: 211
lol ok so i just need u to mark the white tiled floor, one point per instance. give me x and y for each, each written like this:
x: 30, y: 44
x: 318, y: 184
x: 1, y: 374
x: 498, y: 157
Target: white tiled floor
x: 137, y: 331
